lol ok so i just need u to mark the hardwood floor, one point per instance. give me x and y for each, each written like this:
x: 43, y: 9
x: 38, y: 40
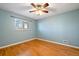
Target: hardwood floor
x: 39, y: 48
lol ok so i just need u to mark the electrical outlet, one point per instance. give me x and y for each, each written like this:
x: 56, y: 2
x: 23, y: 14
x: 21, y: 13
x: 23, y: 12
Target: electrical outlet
x: 64, y: 41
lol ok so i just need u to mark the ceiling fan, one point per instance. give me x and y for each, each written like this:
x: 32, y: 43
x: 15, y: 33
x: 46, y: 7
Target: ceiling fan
x: 39, y: 8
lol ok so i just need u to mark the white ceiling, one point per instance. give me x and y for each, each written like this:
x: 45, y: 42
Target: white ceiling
x: 23, y: 9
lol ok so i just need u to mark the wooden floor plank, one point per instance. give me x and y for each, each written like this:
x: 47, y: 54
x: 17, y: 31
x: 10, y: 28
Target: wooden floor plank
x: 39, y: 48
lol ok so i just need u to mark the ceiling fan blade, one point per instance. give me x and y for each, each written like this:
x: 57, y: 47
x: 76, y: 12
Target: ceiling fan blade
x: 33, y: 11
x: 45, y: 5
x: 33, y: 5
x: 45, y: 11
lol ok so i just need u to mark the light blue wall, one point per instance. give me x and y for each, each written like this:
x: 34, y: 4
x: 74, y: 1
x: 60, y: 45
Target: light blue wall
x: 60, y: 28
x: 8, y: 32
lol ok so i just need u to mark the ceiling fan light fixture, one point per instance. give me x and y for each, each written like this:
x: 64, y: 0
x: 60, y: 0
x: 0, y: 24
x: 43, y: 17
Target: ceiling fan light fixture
x: 39, y: 12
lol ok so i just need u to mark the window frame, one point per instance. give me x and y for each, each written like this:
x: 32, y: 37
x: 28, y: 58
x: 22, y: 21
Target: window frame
x: 17, y: 20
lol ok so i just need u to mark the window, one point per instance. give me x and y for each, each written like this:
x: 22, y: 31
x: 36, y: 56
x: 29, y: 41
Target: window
x: 25, y: 25
x: 20, y: 24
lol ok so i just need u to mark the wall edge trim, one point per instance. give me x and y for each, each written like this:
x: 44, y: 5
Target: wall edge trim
x: 5, y: 46
x: 38, y: 39
x: 58, y: 43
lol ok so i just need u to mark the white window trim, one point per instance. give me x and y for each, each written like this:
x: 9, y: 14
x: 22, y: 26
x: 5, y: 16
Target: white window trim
x: 23, y: 29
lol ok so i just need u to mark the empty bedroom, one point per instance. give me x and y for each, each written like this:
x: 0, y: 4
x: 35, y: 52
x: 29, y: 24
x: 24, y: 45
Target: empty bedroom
x: 39, y: 29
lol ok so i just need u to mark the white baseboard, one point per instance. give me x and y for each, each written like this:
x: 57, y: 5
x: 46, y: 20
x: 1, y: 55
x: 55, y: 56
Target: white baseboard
x: 16, y: 43
x: 38, y: 39
x: 58, y: 43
